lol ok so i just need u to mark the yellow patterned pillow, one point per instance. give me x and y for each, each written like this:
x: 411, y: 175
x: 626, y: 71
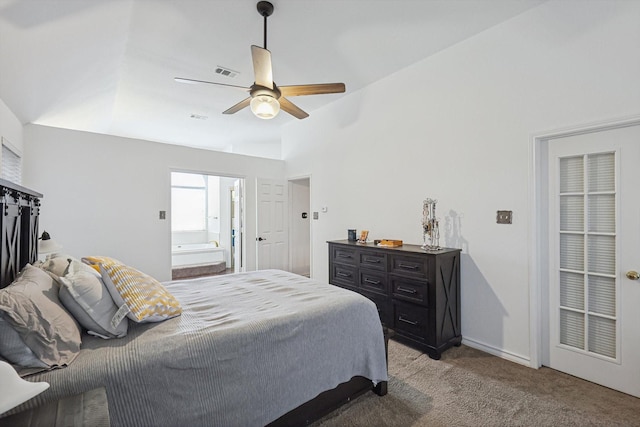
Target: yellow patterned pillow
x: 141, y: 297
x: 97, y: 260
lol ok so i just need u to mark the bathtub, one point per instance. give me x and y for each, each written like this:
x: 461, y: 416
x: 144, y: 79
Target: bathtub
x: 196, y: 253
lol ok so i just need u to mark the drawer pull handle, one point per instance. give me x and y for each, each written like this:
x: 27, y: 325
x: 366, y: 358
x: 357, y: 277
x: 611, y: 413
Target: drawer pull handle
x: 373, y: 282
x: 408, y: 267
x: 372, y: 260
x: 341, y: 274
x: 409, y: 291
x: 344, y: 256
x: 411, y: 322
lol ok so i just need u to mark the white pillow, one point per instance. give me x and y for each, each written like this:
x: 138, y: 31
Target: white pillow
x: 89, y: 301
x: 59, y: 265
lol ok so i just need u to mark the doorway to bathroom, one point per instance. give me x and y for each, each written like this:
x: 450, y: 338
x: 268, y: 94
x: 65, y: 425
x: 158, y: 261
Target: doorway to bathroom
x: 206, y: 224
x: 300, y: 226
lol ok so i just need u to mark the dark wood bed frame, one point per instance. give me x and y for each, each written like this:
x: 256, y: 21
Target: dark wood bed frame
x: 19, y: 237
x: 18, y: 229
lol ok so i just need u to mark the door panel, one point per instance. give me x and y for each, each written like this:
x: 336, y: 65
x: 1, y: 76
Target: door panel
x: 594, y: 226
x: 272, y: 242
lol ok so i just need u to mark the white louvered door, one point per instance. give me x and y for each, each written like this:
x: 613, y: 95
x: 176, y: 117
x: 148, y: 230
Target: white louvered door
x: 594, y: 226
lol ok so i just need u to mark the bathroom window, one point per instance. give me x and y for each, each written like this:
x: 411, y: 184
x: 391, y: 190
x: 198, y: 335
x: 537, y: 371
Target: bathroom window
x: 189, y: 202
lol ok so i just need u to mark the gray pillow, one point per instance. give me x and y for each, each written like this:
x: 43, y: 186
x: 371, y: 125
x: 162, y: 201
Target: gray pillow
x: 31, y: 305
x: 13, y: 348
x: 87, y: 298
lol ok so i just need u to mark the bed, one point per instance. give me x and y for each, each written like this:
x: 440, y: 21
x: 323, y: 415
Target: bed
x: 257, y: 348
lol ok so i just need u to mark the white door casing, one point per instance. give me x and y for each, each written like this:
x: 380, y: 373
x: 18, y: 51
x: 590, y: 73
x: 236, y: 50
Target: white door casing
x: 238, y: 225
x: 272, y: 239
x: 594, y: 239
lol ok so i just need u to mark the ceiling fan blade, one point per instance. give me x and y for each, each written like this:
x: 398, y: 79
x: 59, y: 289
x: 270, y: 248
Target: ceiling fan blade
x: 239, y: 106
x: 192, y: 81
x: 312, y: 89
x: 262, y: 66
x: 291, y: 108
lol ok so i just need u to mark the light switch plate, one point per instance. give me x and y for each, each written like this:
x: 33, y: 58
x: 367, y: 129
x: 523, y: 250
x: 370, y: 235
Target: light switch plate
x: 504, y: 217
x: 163, y: 215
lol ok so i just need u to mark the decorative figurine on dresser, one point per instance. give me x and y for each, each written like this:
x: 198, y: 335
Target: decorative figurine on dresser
x: 416, y: 290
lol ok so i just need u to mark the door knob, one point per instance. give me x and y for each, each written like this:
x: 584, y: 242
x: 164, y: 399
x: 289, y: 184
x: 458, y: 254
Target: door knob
x: 633, y: 275
x: 260, y: 239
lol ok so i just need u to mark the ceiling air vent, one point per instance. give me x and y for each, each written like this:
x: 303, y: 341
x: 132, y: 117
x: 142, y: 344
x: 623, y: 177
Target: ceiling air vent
x: 198, y: 117
x: 224, y: 71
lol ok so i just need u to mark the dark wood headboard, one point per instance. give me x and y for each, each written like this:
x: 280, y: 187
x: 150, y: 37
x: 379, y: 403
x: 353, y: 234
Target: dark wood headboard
x: 19, y: 212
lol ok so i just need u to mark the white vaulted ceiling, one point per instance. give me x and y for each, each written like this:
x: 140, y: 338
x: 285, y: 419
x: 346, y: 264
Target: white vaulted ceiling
x: 107, y: 66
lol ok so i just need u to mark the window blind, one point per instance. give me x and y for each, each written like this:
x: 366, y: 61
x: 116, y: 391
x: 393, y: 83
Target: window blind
x: 11, y: 164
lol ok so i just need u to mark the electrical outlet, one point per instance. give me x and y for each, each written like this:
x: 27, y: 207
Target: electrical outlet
x: 504, y: 217
x: 315, y: 215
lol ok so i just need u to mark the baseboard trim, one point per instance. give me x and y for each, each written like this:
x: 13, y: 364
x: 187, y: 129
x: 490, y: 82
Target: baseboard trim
x: 516, y: 358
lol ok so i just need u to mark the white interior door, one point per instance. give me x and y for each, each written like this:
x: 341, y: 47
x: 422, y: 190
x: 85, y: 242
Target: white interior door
x: 594, y: 226
x: 272, y: 241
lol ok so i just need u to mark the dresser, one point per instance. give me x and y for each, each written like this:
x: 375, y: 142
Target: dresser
x: 417, y: 292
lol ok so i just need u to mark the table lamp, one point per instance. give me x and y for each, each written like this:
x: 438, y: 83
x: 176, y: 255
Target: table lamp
x: 47, y: 245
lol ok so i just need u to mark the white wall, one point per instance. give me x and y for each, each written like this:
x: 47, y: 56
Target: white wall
x: 457, y: 127
x: 102, y: 194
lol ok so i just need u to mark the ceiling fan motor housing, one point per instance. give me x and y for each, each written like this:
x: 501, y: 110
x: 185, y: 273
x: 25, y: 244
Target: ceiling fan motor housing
x: 257, y: 90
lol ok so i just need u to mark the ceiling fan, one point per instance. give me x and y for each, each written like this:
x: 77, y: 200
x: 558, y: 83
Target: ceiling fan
x: 265, y: 98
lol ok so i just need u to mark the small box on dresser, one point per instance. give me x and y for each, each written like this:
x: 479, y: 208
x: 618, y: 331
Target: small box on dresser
x: 417, y: 292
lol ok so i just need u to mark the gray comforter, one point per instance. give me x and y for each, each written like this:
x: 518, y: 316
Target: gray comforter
x: 247, y: 349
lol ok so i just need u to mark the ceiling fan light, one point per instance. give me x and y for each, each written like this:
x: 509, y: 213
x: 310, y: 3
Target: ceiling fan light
x: 265, y: 106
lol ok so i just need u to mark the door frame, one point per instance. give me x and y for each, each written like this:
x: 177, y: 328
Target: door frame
x: 242, y: 240
x: 539, y: 227
x: 290, y: 207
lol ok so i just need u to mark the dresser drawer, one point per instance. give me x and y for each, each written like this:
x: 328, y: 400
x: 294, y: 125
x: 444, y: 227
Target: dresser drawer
x: 373, y: 260
x: 344, y: 255
x: 383, y: 305
x: 410, y: 320
x: 344, y: 275
x: 415, y: 291
x: 374, y: 281
x: 410, y: 266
